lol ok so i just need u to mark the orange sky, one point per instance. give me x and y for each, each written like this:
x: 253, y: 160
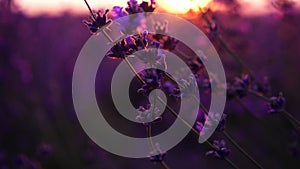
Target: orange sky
x: 55, y: 7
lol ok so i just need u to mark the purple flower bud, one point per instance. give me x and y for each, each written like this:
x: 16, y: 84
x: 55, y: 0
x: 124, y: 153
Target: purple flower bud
x: 97, y: 22
x: 220, y: 150
x: 160, y: 154
x: 276, y: 104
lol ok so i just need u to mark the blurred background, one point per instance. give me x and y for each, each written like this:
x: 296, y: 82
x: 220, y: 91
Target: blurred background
x: 39, y: 44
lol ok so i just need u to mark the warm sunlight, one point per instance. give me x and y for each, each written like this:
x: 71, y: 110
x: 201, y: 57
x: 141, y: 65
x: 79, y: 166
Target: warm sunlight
x: 33, y: 7
x: 183, y: 6
x: 56, y: 7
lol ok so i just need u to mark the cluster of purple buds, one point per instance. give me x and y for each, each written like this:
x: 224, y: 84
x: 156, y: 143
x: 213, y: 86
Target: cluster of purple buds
x: 220, y: 150
x: 263, y: 88
x: 97, y: 21
x: 152, y: 79
x: 211, y: 121
x: 134, y: 7
x: 239, y: 88
x: 276, y: 104
x: 120, y: 50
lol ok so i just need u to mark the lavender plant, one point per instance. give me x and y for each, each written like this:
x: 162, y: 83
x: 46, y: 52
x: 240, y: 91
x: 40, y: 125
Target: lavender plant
x: 151, y: 79
x: 154, y: 79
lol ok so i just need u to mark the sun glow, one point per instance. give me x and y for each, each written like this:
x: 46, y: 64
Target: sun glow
x: 56, y: 7
x: 183, y: 6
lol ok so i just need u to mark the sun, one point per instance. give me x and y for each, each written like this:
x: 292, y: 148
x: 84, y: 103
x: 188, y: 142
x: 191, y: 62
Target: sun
x: 183, y: 6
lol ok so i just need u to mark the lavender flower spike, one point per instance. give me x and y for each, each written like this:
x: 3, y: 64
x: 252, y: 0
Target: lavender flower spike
x: 220, y: 150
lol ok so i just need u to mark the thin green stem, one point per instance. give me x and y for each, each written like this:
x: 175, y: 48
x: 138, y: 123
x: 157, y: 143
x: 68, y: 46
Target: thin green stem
x: 149, y: 136
x: 229, y: 50
x: 260, y: 96
x: 134, y: 71
x: 90, y: 9
x: 242, y: 150
x: 231, y: 163
x: 197, y: 133
x: 285, y: 113
x: 164, y: 165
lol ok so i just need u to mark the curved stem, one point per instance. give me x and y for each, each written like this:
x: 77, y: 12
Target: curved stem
x: 241, y: 150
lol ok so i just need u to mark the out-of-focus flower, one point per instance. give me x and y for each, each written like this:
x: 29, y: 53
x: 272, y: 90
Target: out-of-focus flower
x: 133, y: 7
x: 213, y: 27
x: 23, y: 162
x: 170, y: 43
x: 148, y: 7
x: 44, y: 152
x: 117, y: 12
x: 160, y: 155
x: 220, y: 150
x: 97, y: 22
x: 294, y: 148
x: 196, y: 65
x: 264, y: 88
x: 148, y: 114
x: 283, y: 5
x: 276, y: 104
x: 239, y: 88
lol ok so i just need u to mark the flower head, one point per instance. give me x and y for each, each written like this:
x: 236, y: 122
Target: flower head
x: 117, y: 12
x: 170, y: 43
x: 122, y: 49
x: 148, y: 7
x: 97, y: 22
x: 157, y: 155
x: 196, y: 65
x: 276, y: 104
x: 239, y: 88
x: 152, y: 79
x: 220, y: 150
x: 211, y: 121
x: 133, y: 7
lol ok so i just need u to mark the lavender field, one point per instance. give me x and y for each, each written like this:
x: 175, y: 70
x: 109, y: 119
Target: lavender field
x: 39, y: 128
